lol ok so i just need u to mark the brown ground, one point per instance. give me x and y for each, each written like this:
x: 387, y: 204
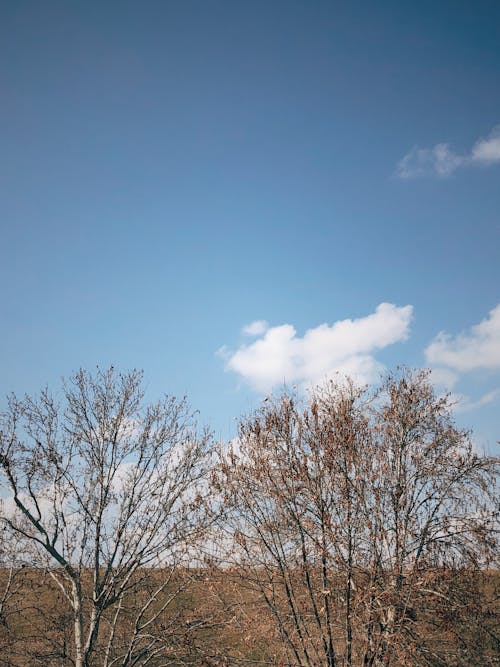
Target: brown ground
x: 219, y: 620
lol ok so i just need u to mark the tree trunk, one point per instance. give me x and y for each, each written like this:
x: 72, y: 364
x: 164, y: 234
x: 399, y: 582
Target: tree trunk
x: 78, y: 620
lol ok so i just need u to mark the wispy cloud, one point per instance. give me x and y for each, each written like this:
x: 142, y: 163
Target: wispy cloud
x: 487, y: 151
x: 442, y: 161
x: 347, y: 346
x: 439, y: 160
x: 256, y: 328
x: 465, y: 404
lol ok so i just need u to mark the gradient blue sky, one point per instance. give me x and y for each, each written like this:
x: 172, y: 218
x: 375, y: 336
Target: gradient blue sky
x: 173, y: 171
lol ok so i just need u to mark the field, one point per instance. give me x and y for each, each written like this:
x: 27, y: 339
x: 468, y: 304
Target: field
x: 217, y: 618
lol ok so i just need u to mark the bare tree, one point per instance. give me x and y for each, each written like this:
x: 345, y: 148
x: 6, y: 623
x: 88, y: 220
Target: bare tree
x: 431, y: 505
x: 349, y: 515
x: 100, y: 489
x: 12, y: 599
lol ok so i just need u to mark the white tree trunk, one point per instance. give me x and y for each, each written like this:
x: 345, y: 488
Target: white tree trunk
x: 78, y: 612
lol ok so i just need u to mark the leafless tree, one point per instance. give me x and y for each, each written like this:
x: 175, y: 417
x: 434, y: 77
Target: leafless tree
x: 12, y: 602
x: 100, y: 489
x: 356, y: 515
x: 433, y: 508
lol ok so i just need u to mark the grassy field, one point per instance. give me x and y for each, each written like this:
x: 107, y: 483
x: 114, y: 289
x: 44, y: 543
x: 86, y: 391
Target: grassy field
x: 218, y: 618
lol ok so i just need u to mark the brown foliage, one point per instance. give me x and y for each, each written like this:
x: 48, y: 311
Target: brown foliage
x: 357, y: 529
x: 348, y: 515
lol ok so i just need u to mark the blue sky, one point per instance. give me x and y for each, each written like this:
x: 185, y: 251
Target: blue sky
x: 171, y: 172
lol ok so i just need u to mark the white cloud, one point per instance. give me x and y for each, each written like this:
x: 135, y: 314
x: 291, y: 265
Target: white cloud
x: 442, y: 161
x: 256, y: 328
x: 346, y: 346
x: 444, y: 377
x: 439, y: 160
x: 477, y: 349
x: 487, y: 151
x: 465, y: 404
